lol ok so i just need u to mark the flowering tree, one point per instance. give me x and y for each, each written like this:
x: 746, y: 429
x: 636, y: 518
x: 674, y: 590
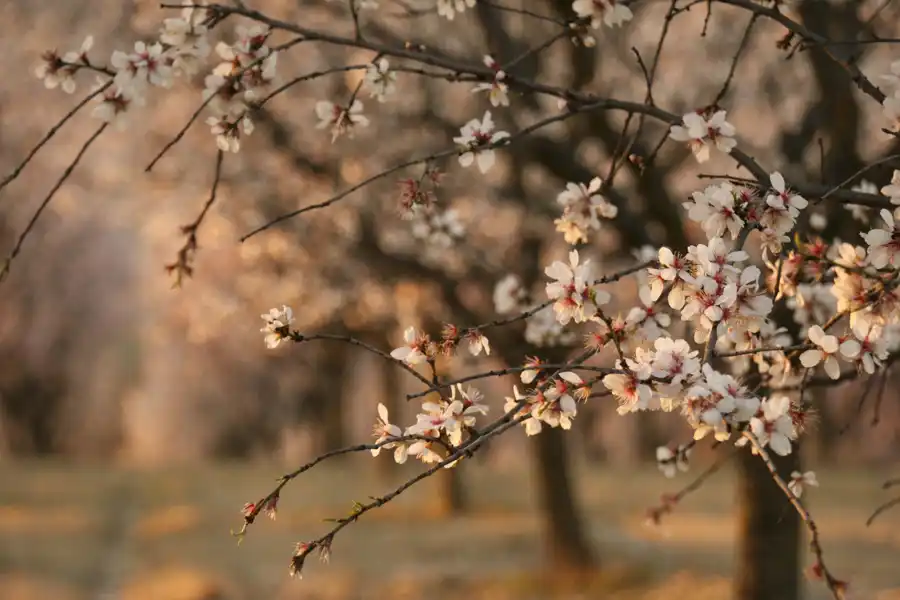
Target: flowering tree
x: 732, y: 334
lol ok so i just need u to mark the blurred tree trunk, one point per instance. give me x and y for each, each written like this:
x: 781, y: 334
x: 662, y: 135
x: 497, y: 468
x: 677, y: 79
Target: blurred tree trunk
x: 565, y: 541
x: 827, y: 427
x: 564, y: 533
x: 588, y: 426
x: 331, y: 394
x: 648, y: 437
x: 31, y: 407
x: 768, y: 558
x: 451, y: 494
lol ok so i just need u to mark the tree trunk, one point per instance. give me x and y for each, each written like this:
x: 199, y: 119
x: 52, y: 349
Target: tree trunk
x: 451, y: 493
x: 565, y: 538
x: 767, y: 566
x: 331, y: 395
x: 827, y: 427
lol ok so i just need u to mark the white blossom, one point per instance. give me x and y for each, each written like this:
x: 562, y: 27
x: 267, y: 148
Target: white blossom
x: 873, y: 347
x: 774, y: 427
x: 611, y: 13
x: 498, y: 91
x: 714, y: 209
x: 441, y: 229
x: 509, y: 295
x: 380, y: 80
x: 800, y: 480
x: 474, y: 137
x: 228, y: 134
x: 701, y: 134
x: 114, y: 106
x: 582, y: 208
x: 341, y: 120
x: 892, y: 190
x: 277, y: 325
x: 146, y: 65
x: 479, y: 343
x: 884, y: 243
x: 414, y: 351
x: 574, y: 295
x: 671, y: 461
x: 187, y: 37
x: 384, y: 430
x: 827, y: 350
x: 449, y: 8
x: 56, y: 71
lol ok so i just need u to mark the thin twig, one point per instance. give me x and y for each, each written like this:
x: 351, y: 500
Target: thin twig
x: 4, y: 272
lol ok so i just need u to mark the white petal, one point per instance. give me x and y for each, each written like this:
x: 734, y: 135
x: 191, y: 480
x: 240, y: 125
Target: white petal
x: 850, y: 348
x: 811, y: 358
x: 777, y: 181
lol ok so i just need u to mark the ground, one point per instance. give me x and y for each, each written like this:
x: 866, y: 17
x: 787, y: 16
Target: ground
x: 86, y: 532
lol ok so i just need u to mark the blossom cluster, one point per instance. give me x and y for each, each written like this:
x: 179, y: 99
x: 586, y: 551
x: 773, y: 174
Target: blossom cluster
x: 583, y: 206
x: 704, y: 130
x: 891, y: 84
x: 441, y: 424
x: 181, y: 47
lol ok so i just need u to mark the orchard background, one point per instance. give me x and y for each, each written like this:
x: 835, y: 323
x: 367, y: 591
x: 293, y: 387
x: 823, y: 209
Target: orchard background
x: 136, y: 419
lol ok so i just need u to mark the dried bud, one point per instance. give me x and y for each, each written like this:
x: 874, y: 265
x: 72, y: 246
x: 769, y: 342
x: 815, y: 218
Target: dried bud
x: 325, y: 550
x: 301, y: 551
x: 271, y: 506
x: 297, y: 566
x: 450, y: 332
x: 595, y: 341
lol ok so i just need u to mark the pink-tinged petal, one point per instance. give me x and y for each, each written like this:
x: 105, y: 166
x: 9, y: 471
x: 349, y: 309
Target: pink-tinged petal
x: 811, y: 358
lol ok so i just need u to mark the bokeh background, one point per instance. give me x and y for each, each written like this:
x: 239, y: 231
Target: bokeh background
x: 136, y: 419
